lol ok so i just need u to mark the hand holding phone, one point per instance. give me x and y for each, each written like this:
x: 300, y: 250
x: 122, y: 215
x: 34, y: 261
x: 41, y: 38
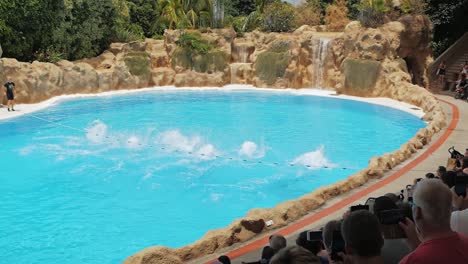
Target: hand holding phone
x: 337, y: 246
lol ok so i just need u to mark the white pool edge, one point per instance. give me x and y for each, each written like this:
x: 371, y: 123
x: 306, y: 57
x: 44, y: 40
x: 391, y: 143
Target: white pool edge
x: 24, y: 109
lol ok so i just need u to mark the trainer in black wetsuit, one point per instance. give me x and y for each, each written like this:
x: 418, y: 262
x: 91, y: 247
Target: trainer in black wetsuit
x: 10, y: 86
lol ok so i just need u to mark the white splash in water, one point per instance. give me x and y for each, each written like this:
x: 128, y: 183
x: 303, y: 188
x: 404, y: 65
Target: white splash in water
x: 174, y: 140
x: 251, y: 150
x: 26, y: 150
x: 133, y: 142
x: 97, y: 132
x: 314, y: 160
x: 207, y: 152
x: 216, y: 196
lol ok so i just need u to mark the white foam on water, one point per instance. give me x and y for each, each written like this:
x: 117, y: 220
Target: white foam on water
x: 216, y: 196
x: 97, y: 132
x: 314, y: 160
x: 174, y: 140
x: 207, y: 152
x: 251, y: 150
x: 26, y: 150
x: 133, y: 142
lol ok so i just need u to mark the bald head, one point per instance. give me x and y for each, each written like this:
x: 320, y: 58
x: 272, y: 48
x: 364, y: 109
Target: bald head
x: 435, y: 200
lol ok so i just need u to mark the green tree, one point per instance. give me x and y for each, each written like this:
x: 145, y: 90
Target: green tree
x: 145, y: 13
x: 450, y: 23
x: 279, y: 17
x: 237, y: 8
x: 25, y: 26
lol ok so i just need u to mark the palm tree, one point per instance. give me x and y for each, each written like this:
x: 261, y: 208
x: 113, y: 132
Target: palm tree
x: 172, y: 11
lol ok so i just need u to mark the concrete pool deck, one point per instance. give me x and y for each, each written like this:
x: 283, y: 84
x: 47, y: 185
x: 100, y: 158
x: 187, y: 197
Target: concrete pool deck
x: 425, y: 160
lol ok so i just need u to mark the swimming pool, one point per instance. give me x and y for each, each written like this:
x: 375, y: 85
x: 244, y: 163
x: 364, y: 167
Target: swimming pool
x: 94, y: 180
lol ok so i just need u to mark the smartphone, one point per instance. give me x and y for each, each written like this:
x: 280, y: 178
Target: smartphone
x: 389, y: 220
x: 359, y: 207
x: 391, y: 217
x: 337, y: 246
x: 314, y: 236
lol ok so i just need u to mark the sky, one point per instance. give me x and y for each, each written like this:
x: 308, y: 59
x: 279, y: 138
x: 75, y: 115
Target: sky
x: 294, y: 2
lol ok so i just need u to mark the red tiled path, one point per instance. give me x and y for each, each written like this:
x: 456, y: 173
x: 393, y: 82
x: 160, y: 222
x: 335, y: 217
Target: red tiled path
x: 346, y: 202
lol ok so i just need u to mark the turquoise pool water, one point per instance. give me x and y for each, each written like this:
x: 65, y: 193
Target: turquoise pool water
x: 122, y: 173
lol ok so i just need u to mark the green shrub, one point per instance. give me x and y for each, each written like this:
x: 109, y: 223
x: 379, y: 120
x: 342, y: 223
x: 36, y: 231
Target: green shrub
x: 272, y: 64
x: 279, y: 17
x: 238, y: 24
x: 194, y: 41
x: 372, y: 12
x: 414, y: 7
x: 309, y: 13
x: 138, y: 63
x: 336, y: 16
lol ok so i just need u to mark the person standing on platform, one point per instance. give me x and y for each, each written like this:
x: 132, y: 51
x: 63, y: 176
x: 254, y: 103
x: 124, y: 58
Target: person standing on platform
x: 10, y: 94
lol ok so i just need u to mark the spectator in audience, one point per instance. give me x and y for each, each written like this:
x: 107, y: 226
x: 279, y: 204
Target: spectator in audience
x: 407, y: 209
x: 392, y: 197
x: 449, y: 178
x: 363, y: 239
x: 441, y: 171
x: 224, y: 259
x: 267, y: 254
x: 316, y: 247
x: 277, y: 242
x: 294, y: 255
x: 431, y: 233
x: 394, y: 249
x: 441, y: 71
x: 430, y: 175
x: 327, y: 234
x: 459, y: 218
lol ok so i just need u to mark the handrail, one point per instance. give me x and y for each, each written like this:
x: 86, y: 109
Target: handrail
x: 448, y: 54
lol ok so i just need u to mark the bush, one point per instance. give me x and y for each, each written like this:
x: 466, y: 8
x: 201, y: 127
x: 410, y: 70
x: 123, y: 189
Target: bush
x: 309, y: 13
x: 195, y: 53
x: 279, y: 17
x: 238, y: 24
x: 372, y: 12
x: 194, y: 41
x: 414, y: 7
x: 336, y: 17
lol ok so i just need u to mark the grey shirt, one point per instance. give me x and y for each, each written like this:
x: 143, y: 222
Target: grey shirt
x: 395, y: 250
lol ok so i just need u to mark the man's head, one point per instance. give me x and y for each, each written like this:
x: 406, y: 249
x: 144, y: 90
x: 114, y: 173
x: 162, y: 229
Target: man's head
x: 362, y: 236
x: 327, y: 233
x: 430, y: 175
x: 440, y: 171
x: 465, y: 163
x: 224, y: 259
x: 432, y: 205
x: 294, y: 255
x: 277, y: 242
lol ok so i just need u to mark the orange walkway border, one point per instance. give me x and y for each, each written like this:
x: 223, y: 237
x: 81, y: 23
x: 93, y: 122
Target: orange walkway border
x: 261, y: 242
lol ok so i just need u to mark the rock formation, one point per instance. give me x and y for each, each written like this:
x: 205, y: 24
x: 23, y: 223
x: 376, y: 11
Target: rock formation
x: 383, y: 62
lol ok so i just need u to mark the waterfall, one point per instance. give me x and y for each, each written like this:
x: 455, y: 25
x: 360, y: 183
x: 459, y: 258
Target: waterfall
x: 243, y: 54
x: 218, y: 13
x: 319, y: 55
